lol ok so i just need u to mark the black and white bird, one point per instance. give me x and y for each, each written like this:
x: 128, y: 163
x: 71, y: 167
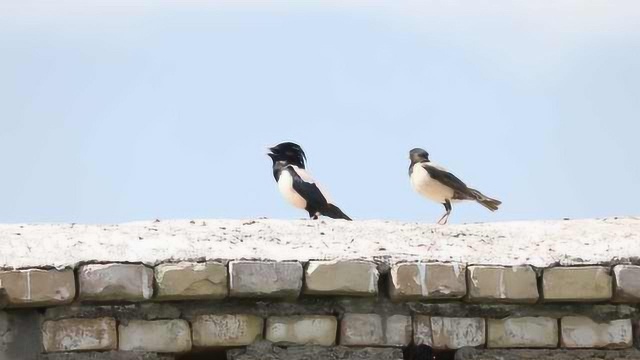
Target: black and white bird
x: 296, y: 184
x: 436, y: 183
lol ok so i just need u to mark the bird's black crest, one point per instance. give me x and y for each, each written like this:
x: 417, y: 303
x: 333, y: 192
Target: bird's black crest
x: 288, y: 152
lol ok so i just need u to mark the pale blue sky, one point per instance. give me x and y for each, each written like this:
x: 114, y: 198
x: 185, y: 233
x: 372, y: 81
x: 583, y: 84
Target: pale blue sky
x: 129, y: 110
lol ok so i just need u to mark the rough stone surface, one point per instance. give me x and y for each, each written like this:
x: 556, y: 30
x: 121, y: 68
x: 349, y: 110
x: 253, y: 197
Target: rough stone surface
x: 524, y: 332
x: 191, y: 281
x: 353, y: 278
x: 115, y: 282
x: 517, y: 284
x: 422, y: 334
x: 265, y: 279
x: 517, y: 354
x: 302, y: 330
x: 588, y: 283
x: 415, y: 281
x: 361, y: 330
x: 226, y: 330
x: 163, y: 336
x: 35, y: 287
x: 266, y: 351
x: 456, y: 333
x: 79, y: 335
x: 537, y: 243
x: 599, y: 312
x: 582, y: 332
x: 106, y: 355
x: 627, y: 281
x: 20, y: 334
x: 397, y: 330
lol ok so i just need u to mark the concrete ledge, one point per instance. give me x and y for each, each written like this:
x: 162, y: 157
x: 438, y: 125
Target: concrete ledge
x: 538, y: 243
x: 380, y: 298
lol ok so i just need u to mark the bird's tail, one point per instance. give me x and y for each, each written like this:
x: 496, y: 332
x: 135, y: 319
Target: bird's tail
x: 334, y: 212
x: 489, y: 203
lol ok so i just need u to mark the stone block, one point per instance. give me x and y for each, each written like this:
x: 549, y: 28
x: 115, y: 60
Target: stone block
x: 350, y: 278
x: 577, y: 284
x: 361, y: 330
x: 456, y: 333
x: 36, y: 287
x: 522, y: 332
x: 582, y: 332
x: 422, y: 334
x: 261, y: 279
x: 416, y: 281
x: 517, y: 284
x: 79, y: 335
x: 226, y: 330
x: 627, y: 281
x: 397, y: 330
x: 162, y: 336
x: 191, y: 281
x: 302, y: 330
x: 115, y: 282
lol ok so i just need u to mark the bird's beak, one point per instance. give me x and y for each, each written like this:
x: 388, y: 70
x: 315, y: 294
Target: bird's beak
x: 269, y: 150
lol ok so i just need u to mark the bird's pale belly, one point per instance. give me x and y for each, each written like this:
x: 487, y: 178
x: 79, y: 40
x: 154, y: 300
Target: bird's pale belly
x: 285, y: 185
x: 429, y: 188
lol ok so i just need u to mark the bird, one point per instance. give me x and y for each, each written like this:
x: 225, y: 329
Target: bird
x: 296, y: 184
x: 438, y: 184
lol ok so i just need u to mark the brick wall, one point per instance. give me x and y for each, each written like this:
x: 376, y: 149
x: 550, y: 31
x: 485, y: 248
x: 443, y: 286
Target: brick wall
x: 359, y: 308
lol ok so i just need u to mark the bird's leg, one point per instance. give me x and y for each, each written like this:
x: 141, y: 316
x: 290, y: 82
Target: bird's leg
x: 443, y: 220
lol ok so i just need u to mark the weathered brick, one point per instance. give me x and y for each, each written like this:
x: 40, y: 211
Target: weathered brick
x: 191, y: 281
x: 627, y: 281
x: 115, y: 282
x: 456, y: 333
x: 523, y: 332
x: 422, y: 334
x: 582, y: 332
x: 361, y: 330
x: 515, y: 284
x: 589, y: 283
x: 36, y: 287
x: 352, y: 278
x: 302, y: 330
x: 265, y: 279
x: 226, y: 330
x: 397, y: 330
x: 163, y: 336
x: 415, y: 281
x: 79, y: 335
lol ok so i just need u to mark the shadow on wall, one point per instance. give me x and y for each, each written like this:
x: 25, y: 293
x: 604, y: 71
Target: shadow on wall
x: 421, y: 352
x: 424, y: 352
x: 204, y: 355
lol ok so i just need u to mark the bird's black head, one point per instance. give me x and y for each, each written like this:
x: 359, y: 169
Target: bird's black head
x: 288, y: 152
x: 418, y: 155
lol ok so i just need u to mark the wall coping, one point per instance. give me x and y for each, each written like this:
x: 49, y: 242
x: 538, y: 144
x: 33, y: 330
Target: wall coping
x: 537, y: 243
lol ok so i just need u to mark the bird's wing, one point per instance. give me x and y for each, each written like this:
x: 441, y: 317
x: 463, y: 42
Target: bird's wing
x: 446, y: 178
x: 304, y: 185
